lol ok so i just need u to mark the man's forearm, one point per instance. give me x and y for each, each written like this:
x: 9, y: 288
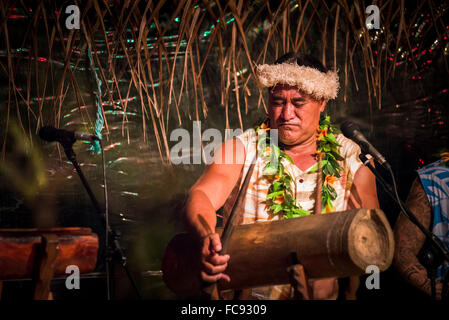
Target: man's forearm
x: 200, y: 216
x: 409, y: 239
x: 414, y: 272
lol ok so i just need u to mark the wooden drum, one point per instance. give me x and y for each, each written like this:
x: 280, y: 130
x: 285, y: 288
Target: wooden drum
x: 20, y: 247
x: 339, y: 244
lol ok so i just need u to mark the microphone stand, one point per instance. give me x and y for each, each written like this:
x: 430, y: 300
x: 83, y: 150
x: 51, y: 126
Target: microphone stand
x: 113, y: 250
x: 439, y: 251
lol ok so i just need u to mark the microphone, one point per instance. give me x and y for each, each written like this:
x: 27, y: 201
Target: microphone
x: 50, y: 134
x: 352, y: 131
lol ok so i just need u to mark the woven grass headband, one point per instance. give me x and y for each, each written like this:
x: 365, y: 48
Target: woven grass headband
x: 313, y: 82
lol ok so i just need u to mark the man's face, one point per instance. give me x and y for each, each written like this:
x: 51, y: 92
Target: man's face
x: 294, y: 114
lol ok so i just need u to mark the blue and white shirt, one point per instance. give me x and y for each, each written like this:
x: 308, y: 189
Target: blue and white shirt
x: 435, y: 180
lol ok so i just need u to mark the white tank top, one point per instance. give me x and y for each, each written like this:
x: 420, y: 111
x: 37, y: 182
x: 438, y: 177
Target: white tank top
x: 303, y: 186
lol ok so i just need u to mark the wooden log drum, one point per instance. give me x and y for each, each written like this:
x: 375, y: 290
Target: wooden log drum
x: 339, y: 244
x: 41, y: 254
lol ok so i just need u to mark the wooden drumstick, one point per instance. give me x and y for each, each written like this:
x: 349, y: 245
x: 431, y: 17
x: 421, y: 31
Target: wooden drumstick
x: 319, y: 180
x: 212, y: 289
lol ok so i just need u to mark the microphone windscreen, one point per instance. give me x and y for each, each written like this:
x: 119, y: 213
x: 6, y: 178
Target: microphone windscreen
x: 48, y: 133
x: 349, y: 128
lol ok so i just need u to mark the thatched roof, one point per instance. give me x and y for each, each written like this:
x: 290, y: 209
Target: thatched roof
x: 170, y: 56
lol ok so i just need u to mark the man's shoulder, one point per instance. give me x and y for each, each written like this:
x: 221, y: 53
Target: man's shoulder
x: 434, y: 171
x: 431, y: 167
x: 348, y: 147
x: 246, y: 136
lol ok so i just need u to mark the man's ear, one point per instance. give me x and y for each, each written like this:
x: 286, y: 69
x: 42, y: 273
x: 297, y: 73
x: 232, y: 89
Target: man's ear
x: 322, y: 105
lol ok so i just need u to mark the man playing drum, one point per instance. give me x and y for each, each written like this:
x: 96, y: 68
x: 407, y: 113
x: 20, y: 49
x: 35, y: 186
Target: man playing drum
x: 298, y: 89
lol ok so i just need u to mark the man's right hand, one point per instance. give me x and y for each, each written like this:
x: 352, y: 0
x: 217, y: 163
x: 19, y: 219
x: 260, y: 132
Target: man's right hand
x: 212, y: 263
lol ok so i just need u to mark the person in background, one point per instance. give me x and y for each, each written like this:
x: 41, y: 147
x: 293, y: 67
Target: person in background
x: 428, y: 200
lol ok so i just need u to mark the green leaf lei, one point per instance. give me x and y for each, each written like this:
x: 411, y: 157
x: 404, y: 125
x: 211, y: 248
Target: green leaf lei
x: 280, y: 198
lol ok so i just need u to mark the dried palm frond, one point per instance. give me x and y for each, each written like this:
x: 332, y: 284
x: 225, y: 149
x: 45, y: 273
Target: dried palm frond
x: 161, y: 52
